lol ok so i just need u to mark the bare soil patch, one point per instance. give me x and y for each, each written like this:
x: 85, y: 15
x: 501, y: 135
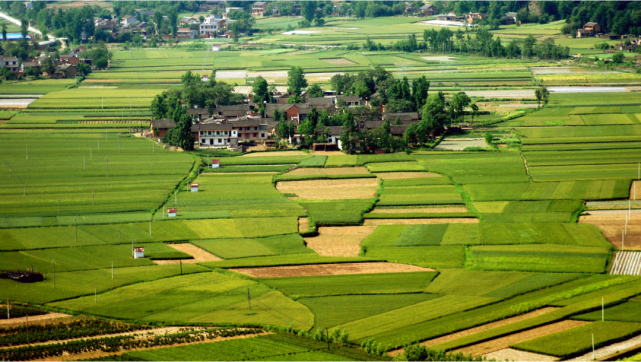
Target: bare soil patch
x: 199, y: 254
x: 338, y: 61
x: 485, y: 327
x: 275, y: 154
x: 330, y: 269
x: 339, y: 241
x: 509, y: 354
x: 612, y: 225
x: 419, y: 209
x: 37, y: 318
x: 404, y: 175
x: 330, y: 189
x: 505, y: 342
x: 371, y: 222
x: 329, y: 171
x: 635, y: 190
x: 303, y: 224
x: 604, y: 352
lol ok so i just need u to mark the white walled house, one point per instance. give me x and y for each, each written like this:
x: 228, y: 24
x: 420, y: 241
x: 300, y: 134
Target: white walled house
x: 217, y: 135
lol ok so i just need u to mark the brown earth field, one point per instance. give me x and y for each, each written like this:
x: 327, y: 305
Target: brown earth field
x: 612, y: 225
x: 199, y: 254
x: 339, y: 240
x: 362, y: 188
x: 372, y: 222
x: 329, y: 171
x: 303, y: 224
x: 32, y: 319
x: 510, y: 354
x: 275, y: 154
x: 338, y: 61
x: 329, y: 269
x: 505, y: 342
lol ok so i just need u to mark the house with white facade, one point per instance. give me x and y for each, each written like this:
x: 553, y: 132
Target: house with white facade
x: 217, y: 135
x: 211, y: 27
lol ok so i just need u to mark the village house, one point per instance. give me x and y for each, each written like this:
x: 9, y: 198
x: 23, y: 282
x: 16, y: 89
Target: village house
x: 186, y: 33
x: 259, y: 8
x: 198, y: 114
x: 588, y: 30
x: 188, y: 20
x: 471, y: 17
x: 211, y: 27
x: 217, y: 3
x: 352, y: 101
x: 26, y: 65
x: 250, y: 129
x: 231, y: 112
x: 510, y: 18
x: 104, y: 24
x: 162, y: 125
x: 11, y: 63
x: 449, y: 17
x: 128, y: 20
x: 428, y: 10
x: 217, y: 135
x: 77, y: 50
x: 68, y: 59
x: 149, y: 13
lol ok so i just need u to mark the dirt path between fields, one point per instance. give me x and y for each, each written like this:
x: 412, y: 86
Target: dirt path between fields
x: 100, y: 354
x: 199, y: 254
x: 427, y: 210
x: 339, y: 240
x: 373, y: 222
x: 610, y: 350
x: 329, y: 269
x: 505, y: 342
x: 485, y: 327
x: 36, y: 318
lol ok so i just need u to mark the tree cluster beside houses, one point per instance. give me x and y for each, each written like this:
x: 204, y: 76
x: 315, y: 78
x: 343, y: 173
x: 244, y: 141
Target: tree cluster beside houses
x: 395, y: 116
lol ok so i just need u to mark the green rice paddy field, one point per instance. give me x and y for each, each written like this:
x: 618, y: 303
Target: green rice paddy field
x: 496, y: 235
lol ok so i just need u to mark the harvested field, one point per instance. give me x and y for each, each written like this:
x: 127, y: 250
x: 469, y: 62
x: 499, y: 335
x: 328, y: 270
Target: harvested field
x: 329, y: 171
x: 505, y: 342
x: 459, y: 144
x: 419, y: 209
x: 199, y: 254
x: 275, y: 154
x: 372, y: 222
x: 612, y: 225
x: 509, y: 354
x: 485, y: 327
x: 303, y: 224
x: 404, y: 175
x: 338, y: 61
x: 635, y: 189
x: 330, y: 269
x: 515, y: 93
x: 439, y: 59
x: 339, y: 241
x: 37, y: 318
x: 601, y: 353
x: 330, y: 189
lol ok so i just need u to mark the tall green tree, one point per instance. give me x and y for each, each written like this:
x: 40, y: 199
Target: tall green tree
x: 315, y: 90
x: 260, y: 90
x: 296, y: 80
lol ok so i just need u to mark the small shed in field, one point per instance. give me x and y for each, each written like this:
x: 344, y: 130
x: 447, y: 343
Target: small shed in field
x: 139, y: 252
x: 215, y: 163
x: 172, y: 212
x: 194, y: 187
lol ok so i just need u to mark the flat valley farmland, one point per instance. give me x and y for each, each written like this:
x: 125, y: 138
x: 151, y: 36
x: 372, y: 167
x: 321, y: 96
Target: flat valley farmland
x: 311, y: 181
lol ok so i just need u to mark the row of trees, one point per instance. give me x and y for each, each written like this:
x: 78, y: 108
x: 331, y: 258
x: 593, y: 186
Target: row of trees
x: 481, y: 42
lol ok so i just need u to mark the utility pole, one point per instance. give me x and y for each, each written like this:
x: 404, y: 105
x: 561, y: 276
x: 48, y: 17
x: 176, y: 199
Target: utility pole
x: 150, y: 227
x: 593, y: 355
x: 249, y: 298
x: 181, y: 267
x: 112, y: 270
x: 53, y: 262
x: 602, y: 309
x: 27, y: 148
x: 8, y: 310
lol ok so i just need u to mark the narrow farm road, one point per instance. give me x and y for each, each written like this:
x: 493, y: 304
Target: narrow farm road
x: 17, y: 22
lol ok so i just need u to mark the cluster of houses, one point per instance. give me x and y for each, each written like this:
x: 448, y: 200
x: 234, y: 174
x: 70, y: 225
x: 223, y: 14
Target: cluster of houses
x: 430, y: 10
x: 64, y: 67
x: 231, y: 126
